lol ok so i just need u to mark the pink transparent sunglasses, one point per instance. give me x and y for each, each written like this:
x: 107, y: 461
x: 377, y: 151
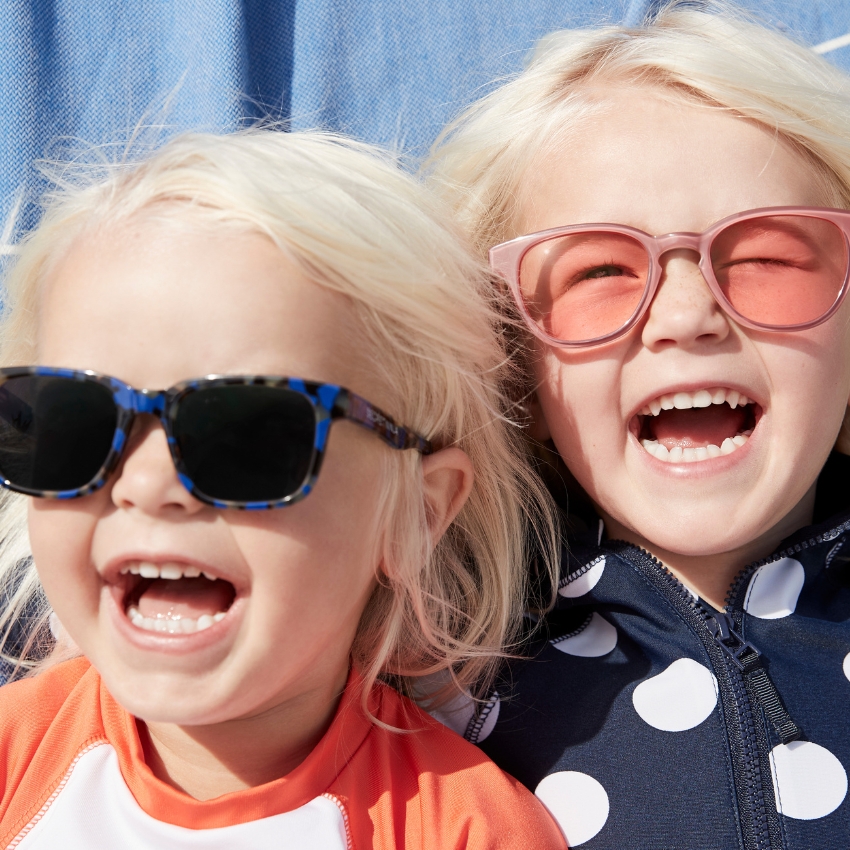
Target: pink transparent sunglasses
x: 772, y: 269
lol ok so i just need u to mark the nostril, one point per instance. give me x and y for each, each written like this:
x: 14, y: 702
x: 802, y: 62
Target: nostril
x: 685, y: 321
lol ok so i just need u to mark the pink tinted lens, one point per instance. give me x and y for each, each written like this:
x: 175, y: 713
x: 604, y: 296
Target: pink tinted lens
x: 583, y: 286
x: 781, y: 269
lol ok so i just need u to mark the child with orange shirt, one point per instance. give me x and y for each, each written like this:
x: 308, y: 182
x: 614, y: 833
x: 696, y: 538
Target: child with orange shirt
x: 185, y: 343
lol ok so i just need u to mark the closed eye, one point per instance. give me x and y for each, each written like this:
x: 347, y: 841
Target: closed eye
x: 770, y: 262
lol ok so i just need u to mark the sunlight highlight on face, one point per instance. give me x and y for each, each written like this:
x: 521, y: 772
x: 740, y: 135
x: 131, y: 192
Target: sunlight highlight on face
x: 154, y: 303
x: 693, y: 435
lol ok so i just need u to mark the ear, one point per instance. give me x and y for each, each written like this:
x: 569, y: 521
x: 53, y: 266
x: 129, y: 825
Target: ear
x: 448, y: 478
x: 537, y: 428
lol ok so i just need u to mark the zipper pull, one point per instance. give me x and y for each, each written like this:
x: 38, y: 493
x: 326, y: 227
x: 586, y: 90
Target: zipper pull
x: 749, y: 661
x: 743, y: 654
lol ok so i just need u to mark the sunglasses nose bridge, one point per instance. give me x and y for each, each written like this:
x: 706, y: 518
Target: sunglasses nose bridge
x: 140, y: 401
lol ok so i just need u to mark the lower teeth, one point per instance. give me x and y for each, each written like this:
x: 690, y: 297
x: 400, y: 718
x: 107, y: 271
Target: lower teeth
x: 679, y: 455
x: 181, y: 625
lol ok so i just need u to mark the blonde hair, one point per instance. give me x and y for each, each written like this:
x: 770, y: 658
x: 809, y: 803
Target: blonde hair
x: 358, y: 226
x: 711, y: 53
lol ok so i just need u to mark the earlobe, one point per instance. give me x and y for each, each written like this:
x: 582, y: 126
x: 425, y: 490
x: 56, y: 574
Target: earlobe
x: 447, y: 479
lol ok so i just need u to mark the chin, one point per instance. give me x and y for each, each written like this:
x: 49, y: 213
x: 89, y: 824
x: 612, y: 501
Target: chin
x: 707, y: 546
x: 158, y: 711
x: 155, y: 698
x: 690, y: 537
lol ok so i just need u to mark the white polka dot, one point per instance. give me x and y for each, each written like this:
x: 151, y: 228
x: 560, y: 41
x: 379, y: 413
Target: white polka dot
x: 585, y: 582
x: 774, y: 589
x: 459, y: 713
x: 597, y: 638
x: 808, y: 780
x: 456, y: 713
x: 577, y: 802
x: 679, y: 698
x: 846, y: 665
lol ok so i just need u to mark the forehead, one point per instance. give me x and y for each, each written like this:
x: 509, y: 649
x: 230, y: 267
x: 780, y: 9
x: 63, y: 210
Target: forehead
x: 651, y: 159
x: 154, y: 302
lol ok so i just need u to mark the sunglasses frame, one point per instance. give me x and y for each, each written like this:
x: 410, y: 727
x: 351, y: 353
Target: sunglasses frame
x: 506, y: 259
x: 330, y: 403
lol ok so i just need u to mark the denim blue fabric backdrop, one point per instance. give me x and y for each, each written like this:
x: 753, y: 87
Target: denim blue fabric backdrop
x: 76, y: 72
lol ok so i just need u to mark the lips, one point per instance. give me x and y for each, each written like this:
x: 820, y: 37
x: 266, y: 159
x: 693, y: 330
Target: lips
x: 689, y: 427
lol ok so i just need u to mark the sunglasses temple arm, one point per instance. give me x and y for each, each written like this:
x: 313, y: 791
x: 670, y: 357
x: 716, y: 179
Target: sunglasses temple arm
x: 357, y: 409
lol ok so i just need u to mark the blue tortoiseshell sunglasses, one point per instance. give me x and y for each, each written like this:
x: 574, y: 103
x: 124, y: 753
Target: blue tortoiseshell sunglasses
x: 248, y: 441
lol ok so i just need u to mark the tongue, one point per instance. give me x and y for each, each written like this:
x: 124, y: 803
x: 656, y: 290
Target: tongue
x: 185, y: 597
x: 698, y: 427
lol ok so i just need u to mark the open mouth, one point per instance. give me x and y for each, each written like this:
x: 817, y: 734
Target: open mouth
x: 688, y: 427
x: 174, y: 598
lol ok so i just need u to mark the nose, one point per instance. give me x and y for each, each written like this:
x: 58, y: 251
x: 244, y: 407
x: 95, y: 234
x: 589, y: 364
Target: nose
x: 683, y: 312
x: 146, y: 478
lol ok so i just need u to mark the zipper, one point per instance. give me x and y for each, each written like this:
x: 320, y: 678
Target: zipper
x: 759, y: 822
x: 743, y: 681
x: 741, y: 581
x: 749, y: 661
x: 726, y: 626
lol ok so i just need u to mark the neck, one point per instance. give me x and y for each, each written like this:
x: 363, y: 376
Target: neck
x: 208, y: 761
x: 711, y: 575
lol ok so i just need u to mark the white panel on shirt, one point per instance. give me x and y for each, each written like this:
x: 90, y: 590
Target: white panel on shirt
x: 95, y: 809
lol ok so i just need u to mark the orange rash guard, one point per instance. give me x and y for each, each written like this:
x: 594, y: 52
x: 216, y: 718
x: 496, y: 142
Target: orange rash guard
x: 72, y: 775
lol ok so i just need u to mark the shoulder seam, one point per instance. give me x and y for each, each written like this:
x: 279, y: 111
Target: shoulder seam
x: 342, y: 810
x: 56, y: 792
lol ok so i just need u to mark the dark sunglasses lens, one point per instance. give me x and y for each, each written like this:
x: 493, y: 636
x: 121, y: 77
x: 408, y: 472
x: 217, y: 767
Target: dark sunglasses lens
x: 781, y: 270
x: 247, y: 443
x: 582, y: 286
x: 55, y: 433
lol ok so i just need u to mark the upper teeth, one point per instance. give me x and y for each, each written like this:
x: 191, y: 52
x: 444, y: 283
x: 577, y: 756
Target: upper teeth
x: 701, y: 398
x: 147, y: 569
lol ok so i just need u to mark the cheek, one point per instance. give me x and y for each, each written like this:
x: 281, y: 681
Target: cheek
x: 61, y: 539
x: 580, y: 404
x: 811, y: 382
x: 317, y: 561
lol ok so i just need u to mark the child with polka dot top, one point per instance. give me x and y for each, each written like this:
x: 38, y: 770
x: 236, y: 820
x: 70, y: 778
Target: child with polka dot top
x: 256, y: 475
x: 667, y: 206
